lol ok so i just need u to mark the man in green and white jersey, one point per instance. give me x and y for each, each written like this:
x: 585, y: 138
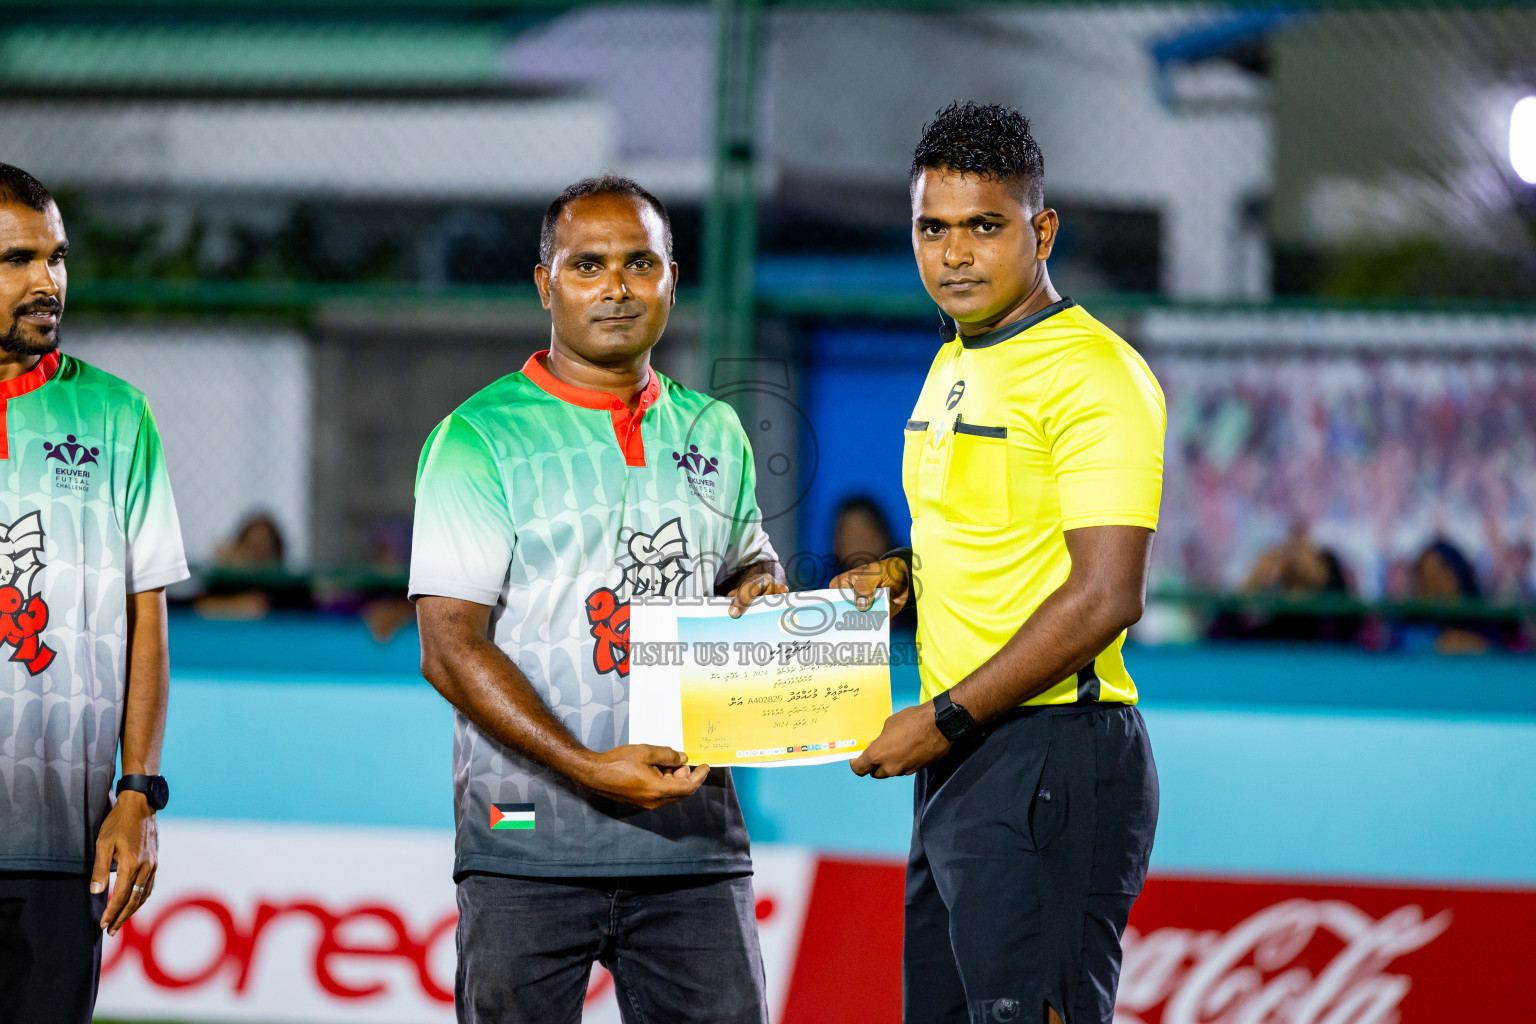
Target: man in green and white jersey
x: 88, y: 542
x: 543, y: 505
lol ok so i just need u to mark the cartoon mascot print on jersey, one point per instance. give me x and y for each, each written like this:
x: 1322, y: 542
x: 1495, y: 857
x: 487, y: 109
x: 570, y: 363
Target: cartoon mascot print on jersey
x: 23, y: 614
x: 659, y: 566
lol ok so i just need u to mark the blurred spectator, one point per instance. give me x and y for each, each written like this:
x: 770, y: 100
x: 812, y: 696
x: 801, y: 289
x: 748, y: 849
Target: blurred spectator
x: 258, y: 545
x: 249, y: 578
x: 1442, y: 574
x: 1512, y: 575
x: 1296, y: 569
x: 386, y: 610
x: 1512, y: 585
x: 1398, y: 585
x: 860, y: 534
x: 377, y: 595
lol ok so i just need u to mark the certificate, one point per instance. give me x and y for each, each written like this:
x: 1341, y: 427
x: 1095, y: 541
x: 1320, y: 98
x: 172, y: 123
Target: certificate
x: 798, y: 679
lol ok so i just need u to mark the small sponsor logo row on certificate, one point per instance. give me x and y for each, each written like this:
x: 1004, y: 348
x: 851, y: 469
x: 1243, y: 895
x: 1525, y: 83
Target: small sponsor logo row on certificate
x: 780, y: 751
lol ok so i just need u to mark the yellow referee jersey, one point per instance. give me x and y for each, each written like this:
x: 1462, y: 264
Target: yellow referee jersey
x: 1048, y: 424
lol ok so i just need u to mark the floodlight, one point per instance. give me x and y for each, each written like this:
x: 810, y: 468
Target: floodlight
x: 1522, y: 139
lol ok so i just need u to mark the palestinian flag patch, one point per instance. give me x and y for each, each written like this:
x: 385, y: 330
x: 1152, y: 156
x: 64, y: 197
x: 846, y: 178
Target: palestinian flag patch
x: 511, y: 815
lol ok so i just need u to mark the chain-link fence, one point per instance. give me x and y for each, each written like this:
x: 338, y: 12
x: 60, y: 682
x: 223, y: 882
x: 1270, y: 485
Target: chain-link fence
x: 308, y: 234
x: 1195, y: 151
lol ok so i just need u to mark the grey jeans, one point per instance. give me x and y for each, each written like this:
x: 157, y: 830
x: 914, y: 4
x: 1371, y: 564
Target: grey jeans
x: 682, y: 949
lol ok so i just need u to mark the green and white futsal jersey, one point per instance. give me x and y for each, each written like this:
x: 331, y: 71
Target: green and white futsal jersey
x: 86, y: 518
x: 555, y: 506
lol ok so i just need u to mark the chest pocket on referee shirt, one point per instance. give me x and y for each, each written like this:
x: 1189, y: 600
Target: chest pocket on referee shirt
x: 976, y: 479
x: 911, y: 455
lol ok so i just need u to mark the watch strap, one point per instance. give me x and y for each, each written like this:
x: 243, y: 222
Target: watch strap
x: 952, y: 719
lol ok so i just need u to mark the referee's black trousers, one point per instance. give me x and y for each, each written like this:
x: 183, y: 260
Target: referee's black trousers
x: 1028, y: 848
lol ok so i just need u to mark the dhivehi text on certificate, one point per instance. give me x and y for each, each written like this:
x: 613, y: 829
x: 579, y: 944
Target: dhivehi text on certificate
x: 802, y: 679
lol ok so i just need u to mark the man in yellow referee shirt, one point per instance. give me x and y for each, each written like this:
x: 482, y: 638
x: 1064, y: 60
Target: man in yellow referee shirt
x: 1033, y: 471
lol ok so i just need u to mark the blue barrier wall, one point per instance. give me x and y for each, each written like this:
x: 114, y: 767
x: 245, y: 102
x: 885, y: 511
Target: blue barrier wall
x: 859, y: 385
x: 1331, y: 763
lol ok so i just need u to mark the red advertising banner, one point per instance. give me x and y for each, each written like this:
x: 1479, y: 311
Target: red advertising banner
x: 1214, y: 951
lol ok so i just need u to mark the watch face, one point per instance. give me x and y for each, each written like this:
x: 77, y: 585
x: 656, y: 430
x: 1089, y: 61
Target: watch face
x: 159, y: 792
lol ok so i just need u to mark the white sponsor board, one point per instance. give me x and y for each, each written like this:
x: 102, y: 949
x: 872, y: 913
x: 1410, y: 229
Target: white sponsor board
x: 290, y: 923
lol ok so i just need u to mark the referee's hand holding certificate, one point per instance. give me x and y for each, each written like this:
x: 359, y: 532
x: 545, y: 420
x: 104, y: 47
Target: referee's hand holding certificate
x: 859, y: 584
x: 910, y: 740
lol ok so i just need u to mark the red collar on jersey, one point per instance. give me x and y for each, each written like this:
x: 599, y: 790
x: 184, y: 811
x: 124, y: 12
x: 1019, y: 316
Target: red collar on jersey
x: 18, y: 386
x: 32, y: 379
x: 626, y: 425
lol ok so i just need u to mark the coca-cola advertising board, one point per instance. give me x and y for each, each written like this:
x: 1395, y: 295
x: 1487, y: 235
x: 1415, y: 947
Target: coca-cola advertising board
x: 1206, y: 951
x: 283, y: 923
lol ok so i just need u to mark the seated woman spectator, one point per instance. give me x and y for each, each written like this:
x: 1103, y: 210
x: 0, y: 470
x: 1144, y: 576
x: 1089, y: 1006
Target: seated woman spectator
x: 249, y: 578
x: 1442, y: 574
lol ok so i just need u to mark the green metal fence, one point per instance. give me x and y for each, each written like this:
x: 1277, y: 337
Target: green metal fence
x: 368, y: 176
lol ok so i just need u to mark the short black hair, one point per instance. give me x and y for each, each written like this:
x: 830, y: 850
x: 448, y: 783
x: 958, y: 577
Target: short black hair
x: 604, y: 185
x: 17, y: 186
x: 985, y: 139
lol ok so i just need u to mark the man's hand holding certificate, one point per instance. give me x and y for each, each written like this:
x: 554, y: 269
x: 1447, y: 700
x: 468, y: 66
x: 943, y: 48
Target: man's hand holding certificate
x: 796, y: 679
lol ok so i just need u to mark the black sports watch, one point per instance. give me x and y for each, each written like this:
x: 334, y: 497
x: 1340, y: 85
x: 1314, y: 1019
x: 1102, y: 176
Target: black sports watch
x: 154, y: 787
x: 952, y: 719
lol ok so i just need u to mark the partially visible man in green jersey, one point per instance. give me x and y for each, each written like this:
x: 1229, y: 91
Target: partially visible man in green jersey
x: 1033, y: 472
x: 88, y: 542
